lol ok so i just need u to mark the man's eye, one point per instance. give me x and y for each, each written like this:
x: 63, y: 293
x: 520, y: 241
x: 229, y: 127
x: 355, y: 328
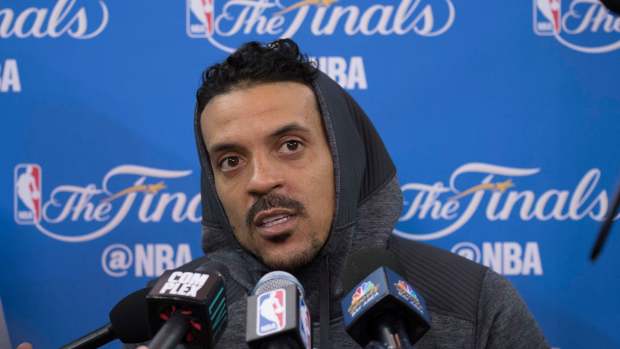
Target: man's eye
x: 229, y: 163
x: 291, y: 146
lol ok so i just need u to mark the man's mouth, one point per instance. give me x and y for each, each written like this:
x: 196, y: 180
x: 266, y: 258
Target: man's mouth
x: 274, y: 222
x: 271, y: 221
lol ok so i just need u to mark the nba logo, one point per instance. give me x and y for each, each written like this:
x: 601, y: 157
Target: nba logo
x: 547, y: 17
x: 27, y: 197
x: 200, y: 18
x: 271, y: 312
x: 304, y: 324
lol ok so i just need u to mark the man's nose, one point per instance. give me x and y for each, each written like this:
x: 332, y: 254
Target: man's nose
x: 266, y: 175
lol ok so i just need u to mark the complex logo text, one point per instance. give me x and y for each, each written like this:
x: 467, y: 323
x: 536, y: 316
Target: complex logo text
x: 184, y: 284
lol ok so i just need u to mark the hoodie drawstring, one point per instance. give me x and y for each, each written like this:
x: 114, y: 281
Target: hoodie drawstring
x: 324, y: 301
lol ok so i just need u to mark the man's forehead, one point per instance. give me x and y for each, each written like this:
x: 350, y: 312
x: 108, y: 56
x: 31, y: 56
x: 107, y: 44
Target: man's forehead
x: 261, y: 98
x: 260, y: 109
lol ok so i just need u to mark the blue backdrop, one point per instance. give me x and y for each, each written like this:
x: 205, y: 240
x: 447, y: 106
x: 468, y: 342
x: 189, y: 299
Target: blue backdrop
x: 503, y: 119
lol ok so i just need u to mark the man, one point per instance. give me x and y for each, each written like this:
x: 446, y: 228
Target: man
x: 295, y: 178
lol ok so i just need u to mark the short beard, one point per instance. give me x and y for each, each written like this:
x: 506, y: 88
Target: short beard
x: 292, y: 262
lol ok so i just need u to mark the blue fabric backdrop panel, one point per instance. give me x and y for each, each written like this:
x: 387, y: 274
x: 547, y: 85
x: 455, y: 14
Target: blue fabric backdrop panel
x: 502, y: 117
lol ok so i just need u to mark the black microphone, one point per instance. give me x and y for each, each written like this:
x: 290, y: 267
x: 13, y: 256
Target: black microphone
x: 612, y: 5
x: 606, y: 227
x: 128, y: 322
x: 381, y: 310
x: 188, y: 307
x: 277, y: 315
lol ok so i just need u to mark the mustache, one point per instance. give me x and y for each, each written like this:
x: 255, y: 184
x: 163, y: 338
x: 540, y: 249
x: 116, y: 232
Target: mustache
x: 270, y: 201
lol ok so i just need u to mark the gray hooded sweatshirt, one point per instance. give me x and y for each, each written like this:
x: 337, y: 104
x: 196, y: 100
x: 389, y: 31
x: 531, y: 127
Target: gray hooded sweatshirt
x: 470, y: 306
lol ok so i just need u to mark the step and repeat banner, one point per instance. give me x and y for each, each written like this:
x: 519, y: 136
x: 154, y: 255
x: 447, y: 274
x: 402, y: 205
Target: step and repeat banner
x: 503, y: 118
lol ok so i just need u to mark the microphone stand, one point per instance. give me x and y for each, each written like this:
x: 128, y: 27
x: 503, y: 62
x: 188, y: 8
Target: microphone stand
x: 606, y: 227
x: 171, y: 333
x: 95, y: 339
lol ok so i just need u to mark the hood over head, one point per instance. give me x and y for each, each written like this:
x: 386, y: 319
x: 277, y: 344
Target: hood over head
x: 368, y: 198
x: 362, y: 165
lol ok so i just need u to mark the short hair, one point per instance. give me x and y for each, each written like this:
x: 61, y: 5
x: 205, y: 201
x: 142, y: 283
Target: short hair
x: 255, y: 63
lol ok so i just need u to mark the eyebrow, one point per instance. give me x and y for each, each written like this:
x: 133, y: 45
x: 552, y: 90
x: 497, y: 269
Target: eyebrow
x: 292, y: 127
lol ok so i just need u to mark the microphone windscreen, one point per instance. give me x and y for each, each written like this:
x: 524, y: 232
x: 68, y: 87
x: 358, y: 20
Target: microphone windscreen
x: 277, y: 315
x: 363, y: 262
x: 129, y: 318
x: 612, y: 5
x: 274, y: 280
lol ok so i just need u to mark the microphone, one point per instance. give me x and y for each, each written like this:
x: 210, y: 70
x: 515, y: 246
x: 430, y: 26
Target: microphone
x: 612, y: 5
x: 128, y: 322
x: 188, y: 307
x: 277, y: 315
x: 606, y: 227
x: 381, y: 310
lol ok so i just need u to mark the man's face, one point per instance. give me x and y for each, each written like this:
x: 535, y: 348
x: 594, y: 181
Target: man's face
x: 273, y: 170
